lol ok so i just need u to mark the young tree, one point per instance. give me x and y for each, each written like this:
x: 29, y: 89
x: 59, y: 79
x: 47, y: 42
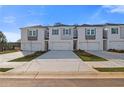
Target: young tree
x: 3, y: 41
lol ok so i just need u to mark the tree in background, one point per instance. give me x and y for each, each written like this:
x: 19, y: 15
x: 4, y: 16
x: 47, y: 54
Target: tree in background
x: 3, y: 41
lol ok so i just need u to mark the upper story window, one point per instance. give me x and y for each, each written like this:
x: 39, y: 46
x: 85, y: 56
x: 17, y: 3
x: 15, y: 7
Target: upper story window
x: 114, y: 30
x: 90, y: 34
x: 90, y: 31
x: 55, y: 31
x: 66, y: 31
x: 32, y: 34
x: 93, y: 31
x: 87, y: 31
x: 75, y: 33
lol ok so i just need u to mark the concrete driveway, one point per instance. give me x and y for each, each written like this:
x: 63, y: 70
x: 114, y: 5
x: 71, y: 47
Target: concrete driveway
x: 55, y: 61
x: 109, y: 55
x: 59, y: 55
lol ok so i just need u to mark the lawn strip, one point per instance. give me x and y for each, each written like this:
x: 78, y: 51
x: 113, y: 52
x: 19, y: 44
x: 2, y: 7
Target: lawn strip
x: 112, y: 69
x: 87, y: 56
x: 28, y: 57
x: 5, y: 69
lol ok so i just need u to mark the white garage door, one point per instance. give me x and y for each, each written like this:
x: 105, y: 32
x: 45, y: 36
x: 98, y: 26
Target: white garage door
x: 89, y: 46
x: 61, y: 46
x: 93, y: 46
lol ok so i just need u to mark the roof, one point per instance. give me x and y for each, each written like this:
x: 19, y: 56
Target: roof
x: 35, y: 26
x: 75, y: 25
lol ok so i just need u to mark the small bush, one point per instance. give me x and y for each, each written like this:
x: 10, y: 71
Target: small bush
x: 115, y: 50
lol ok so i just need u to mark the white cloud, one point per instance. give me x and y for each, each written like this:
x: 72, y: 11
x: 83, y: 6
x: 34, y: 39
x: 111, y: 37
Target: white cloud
x: 12, y: 36
x: 97, y: 17
x: 96, y: 14
x: 9, y: 19
x: 114, y: 8
x: 33, y: 13
x: 33, y: 24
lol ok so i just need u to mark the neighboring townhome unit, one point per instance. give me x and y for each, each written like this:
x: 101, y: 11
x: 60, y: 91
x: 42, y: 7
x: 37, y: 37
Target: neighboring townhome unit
x: 72, y: 37
x: 115, y: 36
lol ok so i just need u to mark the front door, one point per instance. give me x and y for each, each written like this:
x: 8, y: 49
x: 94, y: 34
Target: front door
x: 104, y: 44
x: 46, y: 46
x: 74, y: 44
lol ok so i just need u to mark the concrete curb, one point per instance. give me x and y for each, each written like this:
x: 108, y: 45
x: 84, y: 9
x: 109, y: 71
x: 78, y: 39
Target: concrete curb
x: 67, y: 75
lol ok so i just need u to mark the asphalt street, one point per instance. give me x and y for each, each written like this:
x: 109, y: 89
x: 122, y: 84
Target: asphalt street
x: 118, y: 82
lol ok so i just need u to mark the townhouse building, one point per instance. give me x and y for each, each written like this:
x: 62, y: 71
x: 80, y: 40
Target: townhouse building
x: 73, y: 37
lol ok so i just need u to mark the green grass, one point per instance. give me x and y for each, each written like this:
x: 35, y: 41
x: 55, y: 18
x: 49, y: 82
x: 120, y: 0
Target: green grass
x: 113, y: 69
x: 117, y: 51
x: 5, y: 69
x: 28, y: 57
x: 87, y: 56
x: 7, y: 51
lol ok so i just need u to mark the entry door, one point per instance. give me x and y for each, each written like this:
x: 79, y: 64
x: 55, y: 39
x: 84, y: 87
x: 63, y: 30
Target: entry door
x: 104, y: 44
x: 74, y: 44
x: 46, y: 46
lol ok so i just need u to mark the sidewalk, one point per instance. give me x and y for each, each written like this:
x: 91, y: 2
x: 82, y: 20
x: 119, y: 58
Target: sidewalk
x: 61, y: 75
x: 106, y: 64
x: 14, y: 55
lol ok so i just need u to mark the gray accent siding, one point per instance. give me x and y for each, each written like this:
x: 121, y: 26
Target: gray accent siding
x: 121, y: 32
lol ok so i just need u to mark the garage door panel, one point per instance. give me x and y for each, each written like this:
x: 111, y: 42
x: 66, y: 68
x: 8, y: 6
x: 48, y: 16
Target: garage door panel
x: 89, y: 46
x: 93, y: 46
x: 61, y: 46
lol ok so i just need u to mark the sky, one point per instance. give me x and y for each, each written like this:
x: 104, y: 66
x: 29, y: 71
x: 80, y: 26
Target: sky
x: 14, y: 17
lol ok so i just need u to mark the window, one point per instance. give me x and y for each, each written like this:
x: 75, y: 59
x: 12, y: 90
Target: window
x: 87, y: 31
x: 90, y: 34
x: 114, y: 30
x: 69, y: 31
x: 66, y: 31
x: 93, y: 31
x: 90, y: 31
x: 55, y: 31
x: 75, y: 33
x: 32, y: 34
x: 63, y: 31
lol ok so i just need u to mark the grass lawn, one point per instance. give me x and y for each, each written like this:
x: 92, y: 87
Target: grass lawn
x: 28, y: 57
x: 87, y: 56
x: 5, y: 69
x: 117, y: 51
x: 113, y: 69
x: 7, y: 51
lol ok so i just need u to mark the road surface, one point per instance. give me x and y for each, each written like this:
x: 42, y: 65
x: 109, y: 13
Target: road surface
x: 62, y: 82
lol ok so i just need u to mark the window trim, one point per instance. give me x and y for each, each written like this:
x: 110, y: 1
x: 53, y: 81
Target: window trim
x: 66, y: 32
x: 55, y: 31
x: 94, y: 31
x: 31, y: 33
x: 31, y: 36
x: 90, y: 32
x: 89, y: 35
x: 116, y: 32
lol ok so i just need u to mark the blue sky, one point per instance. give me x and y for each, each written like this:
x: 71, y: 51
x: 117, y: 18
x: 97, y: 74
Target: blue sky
x: 14, y: 17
